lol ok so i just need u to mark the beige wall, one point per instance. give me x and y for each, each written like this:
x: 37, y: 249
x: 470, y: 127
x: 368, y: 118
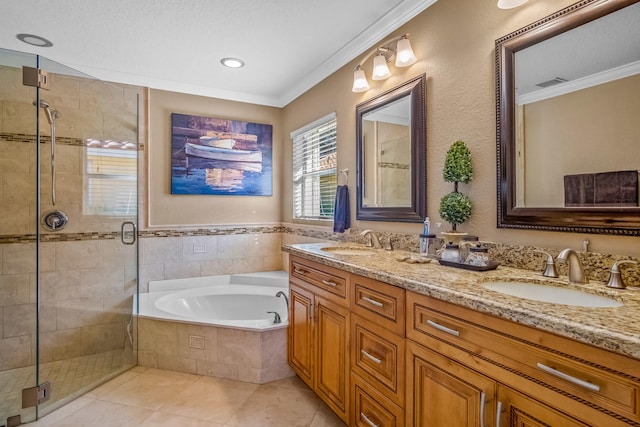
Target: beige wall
x: 454, y: 41
x: 589, y: 131
x: 167, y: 209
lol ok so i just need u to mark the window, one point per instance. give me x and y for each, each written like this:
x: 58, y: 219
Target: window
x: 314, y: 169
x: 110, y: 179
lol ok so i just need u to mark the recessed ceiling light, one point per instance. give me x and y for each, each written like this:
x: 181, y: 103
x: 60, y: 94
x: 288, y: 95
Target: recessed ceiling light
x: 232, y: 62
x: 34, y: 40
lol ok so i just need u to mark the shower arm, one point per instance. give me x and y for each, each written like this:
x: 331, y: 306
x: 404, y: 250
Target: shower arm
x: 53, y: 162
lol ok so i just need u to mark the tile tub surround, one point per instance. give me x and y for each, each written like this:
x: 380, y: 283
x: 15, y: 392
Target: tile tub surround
x: 250, y: 356
x: 615, y: 329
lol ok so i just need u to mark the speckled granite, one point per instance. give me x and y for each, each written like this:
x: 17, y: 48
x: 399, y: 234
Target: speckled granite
x: 615, y: 329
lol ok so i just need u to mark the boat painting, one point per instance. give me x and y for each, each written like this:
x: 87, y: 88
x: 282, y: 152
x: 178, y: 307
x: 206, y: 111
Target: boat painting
x: 229, y: 155
x: 220, y: 157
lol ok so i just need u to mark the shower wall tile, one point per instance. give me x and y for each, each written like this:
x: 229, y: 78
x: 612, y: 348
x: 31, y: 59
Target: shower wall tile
x: 11, y: 87
x: 19, y: 117
x: 19, y: 320
x: 96, y: 95
x: 79, y: 312
x: 77, y: 255
x: 15, y: 352
x: 102, y: 338
x: 115, y: 253
x: 19, y: 258
x: 16, y: 157
x: 64, y: 94
x: 14, y: 289
x: 102, y: 281
x: 16, y: 218
x: 59, y: 285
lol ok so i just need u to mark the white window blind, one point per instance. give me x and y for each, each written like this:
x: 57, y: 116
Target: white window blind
x: 314, y: 170
x: 110, y: 182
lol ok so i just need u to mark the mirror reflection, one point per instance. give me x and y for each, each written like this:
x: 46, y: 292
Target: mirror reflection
x: 386, y: 141
x: 577, y: 100
x: 568, y: 98
x: 391, y: 154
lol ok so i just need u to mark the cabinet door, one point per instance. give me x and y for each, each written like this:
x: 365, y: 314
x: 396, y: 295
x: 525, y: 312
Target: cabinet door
x: 441, y: 392
x: 516, y: 409
x: 332, y: 355
x: 300, y: 331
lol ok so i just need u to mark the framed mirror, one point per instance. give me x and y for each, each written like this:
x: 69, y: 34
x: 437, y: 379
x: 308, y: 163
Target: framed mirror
x: 391, y: 145
x: 568, y: 138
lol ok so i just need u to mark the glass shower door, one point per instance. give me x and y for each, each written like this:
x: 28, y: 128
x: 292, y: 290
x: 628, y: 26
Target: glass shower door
x: 18, y: 247
x: 68, y: 241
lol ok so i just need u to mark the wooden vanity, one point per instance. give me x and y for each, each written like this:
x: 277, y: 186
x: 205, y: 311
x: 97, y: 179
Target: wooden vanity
x: 380, y: 354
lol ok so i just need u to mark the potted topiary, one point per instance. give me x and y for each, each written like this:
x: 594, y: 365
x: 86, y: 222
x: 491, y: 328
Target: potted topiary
x: 455, y: 207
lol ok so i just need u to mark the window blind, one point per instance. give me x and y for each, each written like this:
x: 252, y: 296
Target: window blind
x: 314, y: 170
x: 110, y: 182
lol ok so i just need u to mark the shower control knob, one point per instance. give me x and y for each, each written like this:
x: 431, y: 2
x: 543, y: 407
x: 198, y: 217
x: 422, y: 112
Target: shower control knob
x: 54, y: 220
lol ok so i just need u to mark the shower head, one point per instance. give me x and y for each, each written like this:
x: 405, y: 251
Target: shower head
x: 51, y: 115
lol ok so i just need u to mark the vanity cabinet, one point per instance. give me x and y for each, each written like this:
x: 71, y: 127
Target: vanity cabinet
x: 377, y: 353
x: 534, y: 377
x: 319, y: 331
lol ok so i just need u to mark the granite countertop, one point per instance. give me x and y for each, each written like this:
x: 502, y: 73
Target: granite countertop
x: 616, y: 329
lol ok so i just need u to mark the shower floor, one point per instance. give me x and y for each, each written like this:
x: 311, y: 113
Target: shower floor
x: 68, y: 378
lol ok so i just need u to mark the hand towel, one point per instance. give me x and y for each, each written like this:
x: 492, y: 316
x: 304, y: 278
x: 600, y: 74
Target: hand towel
x: 341, y: 210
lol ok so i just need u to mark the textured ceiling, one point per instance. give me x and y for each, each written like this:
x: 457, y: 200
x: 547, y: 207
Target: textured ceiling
x: 288, y: 45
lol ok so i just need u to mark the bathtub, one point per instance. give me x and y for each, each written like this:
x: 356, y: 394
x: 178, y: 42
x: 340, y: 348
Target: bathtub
x: 216, y: 326
x: 235, y: 301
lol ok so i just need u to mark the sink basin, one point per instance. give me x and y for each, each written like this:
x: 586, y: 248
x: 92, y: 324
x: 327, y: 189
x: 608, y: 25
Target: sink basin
x: 552, y: 294
x: 348, y: 250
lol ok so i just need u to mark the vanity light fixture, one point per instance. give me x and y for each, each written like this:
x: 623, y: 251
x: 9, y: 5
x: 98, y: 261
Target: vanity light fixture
x: 232, y: 62
x: 399, y: 46
x: 510, y: 4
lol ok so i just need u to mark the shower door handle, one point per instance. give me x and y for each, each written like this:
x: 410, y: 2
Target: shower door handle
x: 133, y: 232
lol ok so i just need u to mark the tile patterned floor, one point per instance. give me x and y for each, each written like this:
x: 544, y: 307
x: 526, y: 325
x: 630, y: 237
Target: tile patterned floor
x: 67, y: 377
x: 153, y: 397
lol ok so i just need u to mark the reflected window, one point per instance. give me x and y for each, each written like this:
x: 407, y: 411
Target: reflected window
x: 110, y: 183
x: 314, y: 169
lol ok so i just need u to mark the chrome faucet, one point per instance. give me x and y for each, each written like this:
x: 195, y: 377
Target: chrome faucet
x: 371, y: 239
x: 286, y: 298
x: 576, y: 271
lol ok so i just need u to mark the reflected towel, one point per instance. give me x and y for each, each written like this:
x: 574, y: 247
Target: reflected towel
x: 341, y: 210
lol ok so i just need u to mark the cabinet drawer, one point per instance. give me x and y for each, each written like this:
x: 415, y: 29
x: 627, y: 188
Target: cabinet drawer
x: 372, y: 409
x: 379, y: 302
x: 328, y: 279
x: 378, y: 356
x: 560, y: 367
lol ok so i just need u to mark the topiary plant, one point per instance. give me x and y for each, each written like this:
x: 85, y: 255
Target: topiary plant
x: 455, y: 207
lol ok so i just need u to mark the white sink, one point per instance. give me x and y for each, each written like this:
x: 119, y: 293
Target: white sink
x: 348, y: 250
x: 552, y: 294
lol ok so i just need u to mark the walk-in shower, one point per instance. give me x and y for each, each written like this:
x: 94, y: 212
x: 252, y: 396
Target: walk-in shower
x: 65, y: 293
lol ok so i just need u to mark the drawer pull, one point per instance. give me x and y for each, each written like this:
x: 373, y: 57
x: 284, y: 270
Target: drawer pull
x: 299, y: 271
x: 367, y: 420
x: 330, y: 283
x: 443, y: 328
x: 371, y: 357
x: 373, y: 302
x: 483, y: 399
x: 498, y: 413
x: 566, y: 377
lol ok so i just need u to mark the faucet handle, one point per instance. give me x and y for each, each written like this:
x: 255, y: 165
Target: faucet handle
x: 550, y: 265
x: 615, y: 276
x: 389, y: 245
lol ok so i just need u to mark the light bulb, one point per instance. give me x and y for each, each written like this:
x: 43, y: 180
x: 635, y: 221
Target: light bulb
x: 360, y: 83
x: 380, y: 68
x: 404, y: 53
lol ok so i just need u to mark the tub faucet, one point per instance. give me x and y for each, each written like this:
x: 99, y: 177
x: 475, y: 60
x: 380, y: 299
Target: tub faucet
x: 371, y: 239
x: 277, y: 319
x: 576, y: 271
x: 286, y: 299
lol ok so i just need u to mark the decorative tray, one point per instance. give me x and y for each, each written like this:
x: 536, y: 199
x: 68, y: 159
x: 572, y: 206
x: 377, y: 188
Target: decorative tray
x: 491, y: 265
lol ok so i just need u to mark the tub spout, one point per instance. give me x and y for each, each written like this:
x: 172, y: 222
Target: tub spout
x: 286, y: 299
x: 277, y: 319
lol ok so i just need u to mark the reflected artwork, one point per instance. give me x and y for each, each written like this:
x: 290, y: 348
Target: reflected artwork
x: 219, y: 156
